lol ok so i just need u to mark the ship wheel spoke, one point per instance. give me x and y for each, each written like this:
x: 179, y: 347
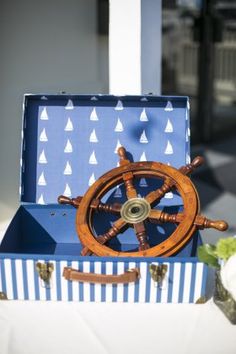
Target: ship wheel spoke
x: 141, y: 235
x: 128, y: 177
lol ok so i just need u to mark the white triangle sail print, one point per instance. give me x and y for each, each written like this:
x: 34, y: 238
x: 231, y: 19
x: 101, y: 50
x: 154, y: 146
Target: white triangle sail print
x: 188, y: 159
x: 92, y: 179
x: 186, y: 114
x: 94, y: 98
x: 143, y: 116
x: 92, y: 159
x: 93, y: 137
x: 69, y: 125
x: 41, y: 199
x: 186, y: 136
x: 169, y: 148
x: 67, y: 191
x: 68, y: 169
x: 119, y: 106
x: 169, y: 127
x: 188, y: 105
x: 144, y: 99
x: 119, y: 126
x: 69, y: 105
x: 43, y: 98
x: 44, y: 114
x: 118, y: 145
x: 43, y: 136
x: 143, y: 157
x: 93, y: 115
x: 189, y: 133
x: 169, y: 195
x: 42, y: 158
x: 143, y: 182
x: 169, y: 107
x: 41, y: 180
x: 143, y: 138
x: 68, y: 148
x: 118, y: 193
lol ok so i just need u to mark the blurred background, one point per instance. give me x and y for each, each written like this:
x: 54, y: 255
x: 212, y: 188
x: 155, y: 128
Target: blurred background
x: 54, y: 46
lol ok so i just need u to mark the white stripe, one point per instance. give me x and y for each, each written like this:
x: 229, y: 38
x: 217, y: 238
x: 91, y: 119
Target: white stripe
x: 109, y: 270
x: 176, y: 283
x: 19, y: 279
x: 142, y: 281
x: 187, y: 282
x: 8, y: 276
x: 75, y: 284
x: 120, y: 287
x: 153, y: 288
x: 30, y: 278
x: 165, y: 285
x: 198, y: 281
x: 53, y: 283
x: 86, y: 269
x: 97, y: 287
x: 131, y: 286
x: 42, y: 286
x: 64, y: 282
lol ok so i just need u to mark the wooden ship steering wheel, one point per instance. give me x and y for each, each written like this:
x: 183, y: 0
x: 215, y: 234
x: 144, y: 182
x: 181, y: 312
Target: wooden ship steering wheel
x: 137, y: 211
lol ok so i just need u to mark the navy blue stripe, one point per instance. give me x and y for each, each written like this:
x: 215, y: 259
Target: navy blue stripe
x: 204, y: 279
x: 126, y: 285
x: 69, y: 285
x: 136, y: 285
x: 58, y: 280
x: 192, y: 285
x: 25, y: 282
x: 181, y: 282
x: 36, y: 282
x: 92, y: 286
x: 3, y: 276
x: 170, y: 282
x: 148, y: 284
x: 13, y: 273
x: 103, y: 286
x: 114, y: 286
x: 81, y: 285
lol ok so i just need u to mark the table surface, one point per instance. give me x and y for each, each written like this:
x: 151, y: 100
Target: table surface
x: 28, y: 327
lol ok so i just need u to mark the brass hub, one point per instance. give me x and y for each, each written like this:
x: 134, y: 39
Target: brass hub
x: 135, y: 210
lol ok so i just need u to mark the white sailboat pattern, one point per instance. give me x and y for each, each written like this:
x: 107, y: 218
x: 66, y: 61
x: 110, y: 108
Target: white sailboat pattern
x: 143, y: 138
x: 44, y: 114
x: 169, y: 195
x: 92, y: 179
x: 67, y: 191
x: 144, y: 99
x: 186, y: 136
x: 68, y: 169
x: 118, y: 145
x: 169, y: 148
x: 69, y: 125
x: 43, y: 136
x: 93, y: 115
x: 41, y: 199
x: 169, y: 127
x: 188, y: 159
x: 188, y: 105
x: 43, y: 98
x: 189, y: 133
x: 94, y: 98
x: 143, y: 182
x: 118, y: 193
x: 186, y: 114
x: 68, y: 148
x: 42, y: 157
x: 92, y: 159
x: 169, y: 107
x: 119, y: 126
x: 143, y: 157
x: 93, y: 137
x: 42, y: 180
x: 143, y: 116
x: 69, y: 105
x: 119, y: 106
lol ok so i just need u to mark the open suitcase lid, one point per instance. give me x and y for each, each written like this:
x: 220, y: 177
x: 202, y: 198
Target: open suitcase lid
x: 69, y: 141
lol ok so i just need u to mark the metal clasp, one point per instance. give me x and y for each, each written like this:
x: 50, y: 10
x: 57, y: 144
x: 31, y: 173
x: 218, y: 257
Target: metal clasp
x: 3, y: 296
x: 158, y: 273
x: 45, y: 272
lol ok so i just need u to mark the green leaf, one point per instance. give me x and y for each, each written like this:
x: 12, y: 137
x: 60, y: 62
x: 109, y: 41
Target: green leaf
x: 206, y: 253
x: 226, y: 247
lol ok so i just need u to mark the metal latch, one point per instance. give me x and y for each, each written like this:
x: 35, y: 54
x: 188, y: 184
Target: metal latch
x: 3, y: 296
x: 158, y: 273
x: 45, y: 272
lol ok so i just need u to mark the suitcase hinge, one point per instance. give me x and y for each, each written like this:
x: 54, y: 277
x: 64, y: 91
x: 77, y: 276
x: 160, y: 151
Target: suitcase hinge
x: 45, y: 272
x: 158, y: 273
x: 3, y: 296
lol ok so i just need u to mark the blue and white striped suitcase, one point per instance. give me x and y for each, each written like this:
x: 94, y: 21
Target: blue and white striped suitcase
x: 68, y: 141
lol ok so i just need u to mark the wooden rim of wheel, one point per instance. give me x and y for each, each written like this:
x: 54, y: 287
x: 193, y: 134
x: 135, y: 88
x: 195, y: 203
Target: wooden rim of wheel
x: 114, y: 177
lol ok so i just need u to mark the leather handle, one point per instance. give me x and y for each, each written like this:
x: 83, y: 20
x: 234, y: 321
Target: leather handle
x: 129, y: 276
